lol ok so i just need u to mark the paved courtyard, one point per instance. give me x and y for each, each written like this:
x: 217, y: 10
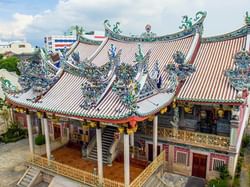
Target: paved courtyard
x: 12, y: 159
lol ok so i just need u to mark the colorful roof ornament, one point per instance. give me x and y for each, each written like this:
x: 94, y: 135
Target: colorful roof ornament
x: 187, y: 22
x: 180, y: 70
x: 247, y: 18
x: 7, y: 87
x: 98, y: 78
x: 35, y: 75
x: 239, y: 77
x: 116, y: 27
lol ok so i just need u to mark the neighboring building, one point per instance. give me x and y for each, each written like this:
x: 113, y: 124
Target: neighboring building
x: 138, y: 104
x: 59, y: 42
x: 16, y: 47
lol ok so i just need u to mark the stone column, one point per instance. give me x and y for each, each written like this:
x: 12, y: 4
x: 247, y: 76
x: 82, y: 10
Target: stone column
x: 31, y: 142
x: 175, y: 121
x: 234, y: 124
x: 47, y: 140
x: 132, y: 143
x: 126, y: 159
x: 99, y: 153
x: 155, y: 136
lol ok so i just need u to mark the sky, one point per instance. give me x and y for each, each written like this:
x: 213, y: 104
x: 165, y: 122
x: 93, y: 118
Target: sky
x: 31, y: 20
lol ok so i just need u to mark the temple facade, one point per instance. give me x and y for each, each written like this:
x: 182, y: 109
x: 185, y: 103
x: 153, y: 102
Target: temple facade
x: 131, y: 105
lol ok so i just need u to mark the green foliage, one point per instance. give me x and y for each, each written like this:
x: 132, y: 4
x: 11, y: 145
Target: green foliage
x: 224, y: 179
x: 40, y: 139
x: 218, y: 183
x: 14, y: 133
x: 224, y: 173
x: 10, y: 64
x: 245, y: 140
x: 1, y: 56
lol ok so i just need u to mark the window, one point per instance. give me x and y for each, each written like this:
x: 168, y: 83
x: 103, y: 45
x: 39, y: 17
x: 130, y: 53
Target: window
x: 217, y: 163
x: 21, y: 46
x: 181, y: 158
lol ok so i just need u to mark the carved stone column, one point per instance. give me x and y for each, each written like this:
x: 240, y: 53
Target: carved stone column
x: 234, y: 125
x: 30, y: 134
x: 126, y: 159
x: 175, y: 121
x: 99, y: 153
x: 155, y: 136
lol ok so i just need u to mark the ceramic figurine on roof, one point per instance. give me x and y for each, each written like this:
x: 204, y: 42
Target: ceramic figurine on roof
x: 247, y: 18
x: 187, y: 22
x: 180, y: 70
x: 35, y: 76
x: 239, y: 77
x: 8, y: 87
x: 148, y: 34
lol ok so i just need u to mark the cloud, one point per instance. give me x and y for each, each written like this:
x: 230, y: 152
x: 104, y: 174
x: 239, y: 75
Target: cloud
x: 16, y: 28
x: 163, y: 15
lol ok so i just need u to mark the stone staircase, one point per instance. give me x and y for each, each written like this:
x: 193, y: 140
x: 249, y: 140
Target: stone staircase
x: 29, y: 177
x: 107, y: 141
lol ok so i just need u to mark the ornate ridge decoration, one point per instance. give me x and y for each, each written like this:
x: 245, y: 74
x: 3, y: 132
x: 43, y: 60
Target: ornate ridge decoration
x: 116, y: 27
x: 247, y: 19
x: 35, y: 76
x: 239, y: 77
x: 127, y: 84
x: 89, y: 41
x: 180, y: 70
x: 232, y: 35
x: 187, y: 22
x: 148, y: 35
x: 151, y: 37
x: 46, y: 58
x: 8, y: 87
x: 98, y: 78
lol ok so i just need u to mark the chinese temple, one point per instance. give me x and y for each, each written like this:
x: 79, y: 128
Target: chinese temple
x: 130, y: 106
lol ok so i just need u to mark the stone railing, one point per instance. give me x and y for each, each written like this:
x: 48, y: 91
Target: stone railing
x: 190, y: 137
x: 149, y: 171
x: 72, y: 173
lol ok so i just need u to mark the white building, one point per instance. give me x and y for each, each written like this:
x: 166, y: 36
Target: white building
x: 16, y: 47
x: 58, y: 42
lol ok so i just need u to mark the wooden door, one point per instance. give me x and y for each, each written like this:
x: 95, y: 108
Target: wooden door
x: 57, y: 131
x: 150, y: 151
x: 199, y: 165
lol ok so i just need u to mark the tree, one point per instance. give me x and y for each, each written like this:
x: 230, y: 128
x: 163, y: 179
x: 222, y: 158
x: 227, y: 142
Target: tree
x: 10, y: 64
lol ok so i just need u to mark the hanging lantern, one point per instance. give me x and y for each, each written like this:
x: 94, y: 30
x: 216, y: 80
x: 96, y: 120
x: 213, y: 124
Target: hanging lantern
x: 188, y: 109
x: 203, y: 114
x: 164, y: 110
x: 135, y: 128
x: 92, y: 124
x: 39, y: 114
x: 121, y: 130
x: 130, y: 131
x: 220, y: 113
x: 151, y: 118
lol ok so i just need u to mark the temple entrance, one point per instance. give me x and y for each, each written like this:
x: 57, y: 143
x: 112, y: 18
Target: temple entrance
x: 150, y: 151
x: 57, y: 131
x: 199, y: 165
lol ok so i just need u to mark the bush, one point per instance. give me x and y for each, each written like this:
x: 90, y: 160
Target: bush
x: 224, y: 173
x: 40, y: 140
x: 13, y: 134
x: 218, y: 183
x: 245, y: 141
x: 10, y: 64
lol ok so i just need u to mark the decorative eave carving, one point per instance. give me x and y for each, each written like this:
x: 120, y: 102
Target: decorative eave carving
x: 239, y: 77
x: 228, y: 36
x: 151, y: 37
x: 89, y: 41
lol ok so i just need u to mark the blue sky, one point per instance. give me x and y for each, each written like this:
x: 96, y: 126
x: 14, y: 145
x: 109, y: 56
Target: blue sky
x: 33, y: 19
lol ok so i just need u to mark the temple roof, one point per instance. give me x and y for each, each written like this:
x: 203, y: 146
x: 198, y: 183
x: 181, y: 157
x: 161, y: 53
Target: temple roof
x: 134, y: 77
x: 215, y: 56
